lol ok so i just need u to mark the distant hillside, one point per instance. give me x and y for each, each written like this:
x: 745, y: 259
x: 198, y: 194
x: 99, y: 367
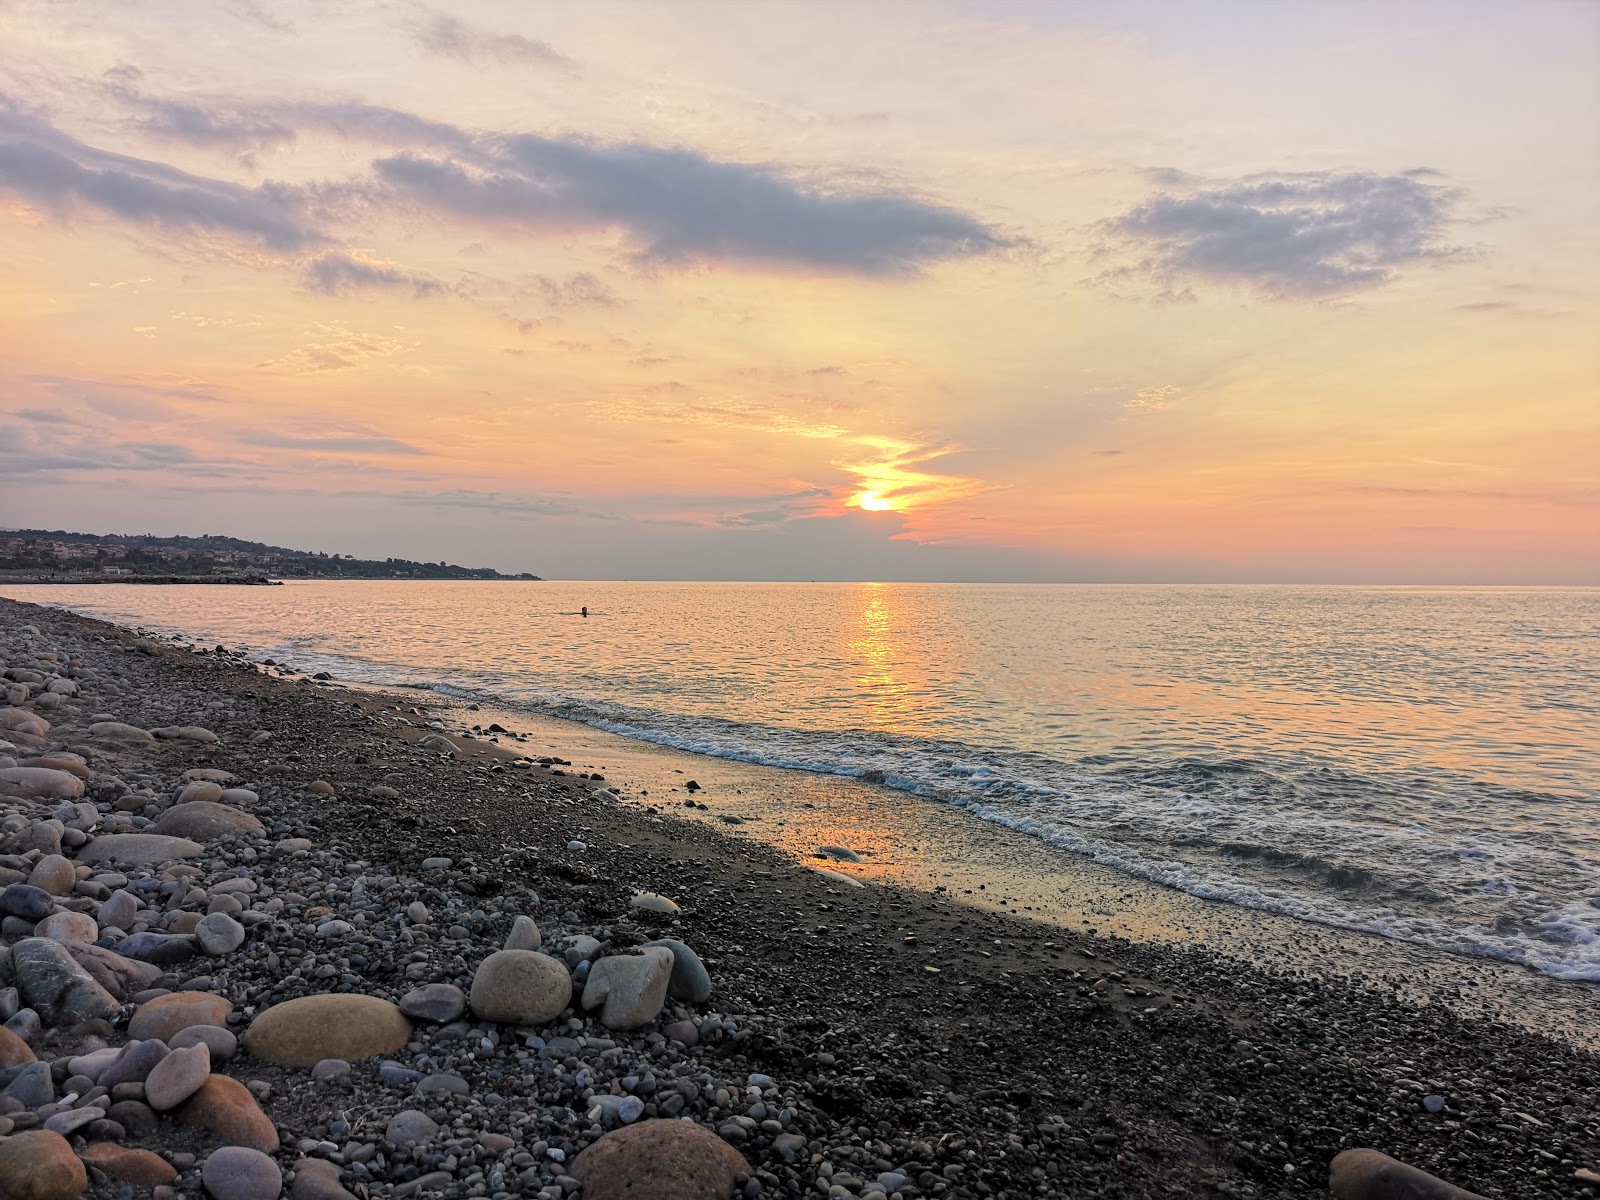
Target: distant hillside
x: 115, y: 554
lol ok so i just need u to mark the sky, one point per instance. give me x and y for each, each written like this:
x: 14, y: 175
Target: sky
x: 1034, y: 291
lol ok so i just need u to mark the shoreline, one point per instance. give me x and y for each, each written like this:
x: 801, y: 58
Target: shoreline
x: 974, y: 1051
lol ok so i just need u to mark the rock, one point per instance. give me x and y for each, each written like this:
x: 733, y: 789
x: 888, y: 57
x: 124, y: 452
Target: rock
x: 32, y: 1086
x: 221, y: 1042
x: 53, y: 874
x: 440, y: 1003
x: 116, y: 731
x: 524, y: 935
x: 315, y: 1179
x: 177, y: 1077
x: 166, y: 1015
x: 838, y: 854
x: 67, y: 927
x: 300, y: 1032
x: 520, y: 987
x: 25, y: 901
x: 138, y: 849
x: 135, y: 1116
x: 330, y: 1068
x: 184, y: 733
x: 122, y: 977
x: 682, y: 1031
x: 211, y: 775
x: 438, y: 743
x: 411, y: 1128
x: 205, y: 821
x: 42, y: 783
x: 138, y: 1167
x: 168, y: 949
x: 664, y: 1160
x: 616, y: 1110
x: 200, y: 789
x: 225, y: 1108
x: 219, y: 934
x: 633, y: 987
x: 1368, y: 1175
x: 444, y: 1084
x: 650, y: 902
x: 239, y: 797
x: 40, y: 1165
x: 240, y: 1173
x: 13, y: 1050
x: 120, y: 911
x: 69, y: 1121
x: 320, y: 787
x: 134, y: 1063
x: 690, y: 979
x: 55, y: 986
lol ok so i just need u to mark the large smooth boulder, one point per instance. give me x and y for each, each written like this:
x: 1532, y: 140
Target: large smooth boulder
x: 633, y: 987
x: 142, y: 1168
x: 1368, y: 1175
x: 40, y: 1165
x: 26, y: 901
x: 54, y: 874
x: 520, y: 987
x: 302, y: 1032
x: 184, y: 733
x: 225, y: 1108
x: 664, y: 1160
x: 240, y: 1173
x: 55, y: 986
x: 116, y: 731
x: 68, y: 928
x: 44, y: 783
x: 317, y: 1179
x: 138, y: 849
x: 205, y: 821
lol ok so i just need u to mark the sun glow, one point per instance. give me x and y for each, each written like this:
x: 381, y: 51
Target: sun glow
x: 873, y: 502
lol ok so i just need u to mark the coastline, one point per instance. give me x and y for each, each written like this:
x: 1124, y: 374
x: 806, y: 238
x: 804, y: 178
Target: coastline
x: 974, y: 1051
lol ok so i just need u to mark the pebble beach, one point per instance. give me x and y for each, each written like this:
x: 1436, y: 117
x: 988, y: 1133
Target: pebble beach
x: 267, y: 935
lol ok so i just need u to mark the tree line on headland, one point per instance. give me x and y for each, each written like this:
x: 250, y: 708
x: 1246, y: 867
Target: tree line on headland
x: 46, y: 553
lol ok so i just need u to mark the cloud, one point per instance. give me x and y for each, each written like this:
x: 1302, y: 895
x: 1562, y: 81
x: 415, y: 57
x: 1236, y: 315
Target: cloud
x: 500, y: 502
x: 679, y: 206
x: 179, y: 120
x: 43, y: 416
x: 344, y: 443
x: 1301, y: 235
x: 339, y: 274
x: 58, y: 173
x: 1154, y: 399
x: 450, y: 37
x: 582, y: 290
x: 337, y: 349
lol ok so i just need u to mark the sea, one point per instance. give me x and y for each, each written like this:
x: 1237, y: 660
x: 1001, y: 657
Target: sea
x: 1418, y: 763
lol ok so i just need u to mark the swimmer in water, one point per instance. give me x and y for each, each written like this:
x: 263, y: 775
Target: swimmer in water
x: 586, y: 610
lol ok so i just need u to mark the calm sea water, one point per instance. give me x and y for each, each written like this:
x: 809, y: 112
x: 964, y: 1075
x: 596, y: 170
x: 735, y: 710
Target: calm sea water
x: 1420, y: 763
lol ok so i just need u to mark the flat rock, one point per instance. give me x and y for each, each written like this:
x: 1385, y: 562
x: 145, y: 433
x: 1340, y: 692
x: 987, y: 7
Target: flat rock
x: 40, y: 1165
x: 138, y: 849
x: 440, y: 1003
x: 225, y: 1108
x: 117, y: 731
x: 240, y: 1173
x: 520, y: 987
x: 184, y: 733
x: 43, y: 783
x: 177, y: 1077
x: 651, y: 902
x: 134, y: 1063
x: 121, y: 976
x: 167, y: 949
x: 142, y: 1168
x: 316, y: 1179
x: 303, y: 1031
x: 55, y: 986
x: 1368, y: 1175
x: 664, y: 1160
x: 206, y: 821
x: 633, y: 987
x: 166, y: 1015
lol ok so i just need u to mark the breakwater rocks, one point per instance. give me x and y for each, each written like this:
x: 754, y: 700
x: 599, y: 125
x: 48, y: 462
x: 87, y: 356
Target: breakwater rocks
x: 262, y: 938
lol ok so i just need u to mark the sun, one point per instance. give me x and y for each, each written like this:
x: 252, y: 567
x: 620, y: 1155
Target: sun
x: 873, y: 502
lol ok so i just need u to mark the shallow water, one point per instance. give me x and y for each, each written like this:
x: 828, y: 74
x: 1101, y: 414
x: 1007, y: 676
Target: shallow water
x: 1418, y: 763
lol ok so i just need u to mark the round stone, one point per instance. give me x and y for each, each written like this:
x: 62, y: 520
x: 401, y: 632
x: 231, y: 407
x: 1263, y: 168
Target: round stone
x: 665, y: 1160
x: 440, y: 1003
x: 301, y: 1032
x: 166, y: 1015
x: 520, y: 987
x: 40, y: 1165
x: 240, y: 1173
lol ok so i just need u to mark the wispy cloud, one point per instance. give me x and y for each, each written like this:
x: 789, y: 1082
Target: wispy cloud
x: 337, y: 348
x: 1301, y: 235
x: 339, y: 274
x: 450, y: 37
x: 343, y: 443
x: 582, y: 290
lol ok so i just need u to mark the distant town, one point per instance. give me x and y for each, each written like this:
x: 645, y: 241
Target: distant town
x: 55, y: 556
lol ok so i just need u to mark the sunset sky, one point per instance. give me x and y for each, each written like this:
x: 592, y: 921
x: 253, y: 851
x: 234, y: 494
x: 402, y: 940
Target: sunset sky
x: 1004, y: 290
